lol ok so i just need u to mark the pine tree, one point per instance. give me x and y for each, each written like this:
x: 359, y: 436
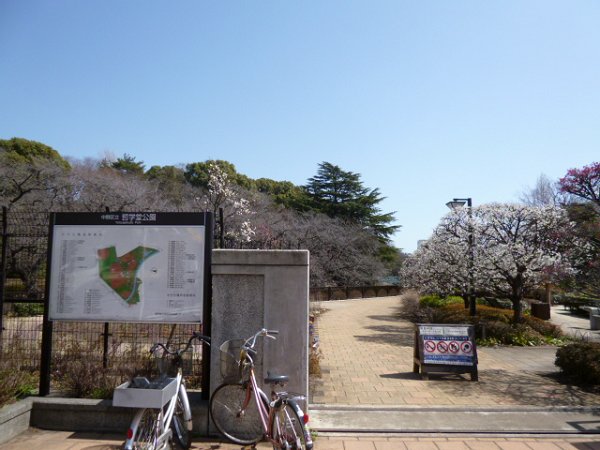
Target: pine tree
x: 339, y: 193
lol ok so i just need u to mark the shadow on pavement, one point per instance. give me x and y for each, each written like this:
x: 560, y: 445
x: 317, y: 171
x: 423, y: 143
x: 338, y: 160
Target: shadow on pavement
x: 389, y: 334
x: 522, y: 388
x: 401, y: 376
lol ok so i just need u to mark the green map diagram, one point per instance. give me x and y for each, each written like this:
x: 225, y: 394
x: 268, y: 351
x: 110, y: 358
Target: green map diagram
x: 120, y: 272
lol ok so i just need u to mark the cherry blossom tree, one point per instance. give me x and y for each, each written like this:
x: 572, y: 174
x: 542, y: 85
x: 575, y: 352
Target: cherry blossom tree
x: 517, y: 248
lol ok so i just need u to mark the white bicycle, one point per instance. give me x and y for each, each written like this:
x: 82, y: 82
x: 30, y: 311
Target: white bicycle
x: 164, y: 416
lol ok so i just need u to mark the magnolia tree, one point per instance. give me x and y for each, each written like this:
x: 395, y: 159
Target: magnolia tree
x: 516, y: 248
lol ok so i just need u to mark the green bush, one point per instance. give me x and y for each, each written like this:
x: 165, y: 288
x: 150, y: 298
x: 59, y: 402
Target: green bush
x: 435, y: 301
x: 543, y: 327
x: 493, y: 323
x: 27, y: 309
x: 580, y: 360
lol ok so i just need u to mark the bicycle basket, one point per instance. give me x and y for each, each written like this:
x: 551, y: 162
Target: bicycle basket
x: 230, y: 360
x: 168, y: 364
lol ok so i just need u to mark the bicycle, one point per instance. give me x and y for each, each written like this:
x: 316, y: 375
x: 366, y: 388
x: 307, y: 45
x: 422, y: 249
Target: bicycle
x: 241, y: 410
x: 164, y: 416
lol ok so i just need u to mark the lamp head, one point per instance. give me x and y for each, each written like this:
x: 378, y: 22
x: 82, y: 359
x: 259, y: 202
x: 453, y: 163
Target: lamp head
x: 456, y: 203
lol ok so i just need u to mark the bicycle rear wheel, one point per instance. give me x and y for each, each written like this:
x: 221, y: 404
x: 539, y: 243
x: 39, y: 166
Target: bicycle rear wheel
x: 182, y: 420
x: 145, y: 433
x: 288, y: 430
x: 238, y: 422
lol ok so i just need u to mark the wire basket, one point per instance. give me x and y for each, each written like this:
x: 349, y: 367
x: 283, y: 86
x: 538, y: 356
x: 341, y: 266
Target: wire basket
x: 168, y: 364
x: 230, y: 360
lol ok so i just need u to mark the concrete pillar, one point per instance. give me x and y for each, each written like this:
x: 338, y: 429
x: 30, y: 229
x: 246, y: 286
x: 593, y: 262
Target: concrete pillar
x: 254, y: 289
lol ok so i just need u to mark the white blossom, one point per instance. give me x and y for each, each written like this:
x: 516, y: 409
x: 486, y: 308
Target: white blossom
x: 515, y: 248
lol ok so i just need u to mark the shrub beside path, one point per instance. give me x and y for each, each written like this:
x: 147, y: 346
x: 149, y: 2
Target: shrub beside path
x: 367, y: 360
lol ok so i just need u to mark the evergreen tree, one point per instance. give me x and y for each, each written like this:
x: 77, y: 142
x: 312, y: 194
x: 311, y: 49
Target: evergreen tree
x: 339, y: 193
x: 128, y: 164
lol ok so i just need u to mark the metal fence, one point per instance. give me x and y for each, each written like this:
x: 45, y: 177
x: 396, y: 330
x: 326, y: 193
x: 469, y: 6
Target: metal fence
x: 24, y: 242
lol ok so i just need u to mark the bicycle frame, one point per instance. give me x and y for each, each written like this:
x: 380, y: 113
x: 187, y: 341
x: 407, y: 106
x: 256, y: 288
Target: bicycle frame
x: 164, y: 416
x: 282, y: 421
x: 266, y: 413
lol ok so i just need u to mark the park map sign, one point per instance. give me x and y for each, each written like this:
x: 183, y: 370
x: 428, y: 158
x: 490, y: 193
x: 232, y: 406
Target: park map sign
x: 133, y: 267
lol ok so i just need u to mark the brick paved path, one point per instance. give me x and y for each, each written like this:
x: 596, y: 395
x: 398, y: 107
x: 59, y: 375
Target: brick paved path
x: 60, y: 440
x: 367, y: 359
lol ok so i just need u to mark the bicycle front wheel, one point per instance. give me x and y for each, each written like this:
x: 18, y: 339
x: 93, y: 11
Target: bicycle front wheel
x: 288, y: 430
x: 182, y: 420
x: 237, y: 421
x: 146, y: 431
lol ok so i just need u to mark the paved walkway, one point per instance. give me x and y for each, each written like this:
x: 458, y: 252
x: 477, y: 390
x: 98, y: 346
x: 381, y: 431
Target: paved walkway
x: 574, y: 325
x: 367, y: 360
x: 60, y: 440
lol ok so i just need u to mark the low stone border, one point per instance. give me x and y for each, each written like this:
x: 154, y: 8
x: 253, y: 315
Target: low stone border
x: 75, y: 414
x: 14, y: 419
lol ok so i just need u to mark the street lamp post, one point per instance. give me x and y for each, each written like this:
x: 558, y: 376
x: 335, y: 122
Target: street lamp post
x: 455, y: 204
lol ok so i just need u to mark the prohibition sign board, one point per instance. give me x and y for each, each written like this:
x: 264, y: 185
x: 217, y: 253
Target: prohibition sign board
x: 445, y: 348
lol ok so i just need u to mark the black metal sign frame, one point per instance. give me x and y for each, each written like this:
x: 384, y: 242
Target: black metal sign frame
x: 158, y: 219
x: 445, y: 348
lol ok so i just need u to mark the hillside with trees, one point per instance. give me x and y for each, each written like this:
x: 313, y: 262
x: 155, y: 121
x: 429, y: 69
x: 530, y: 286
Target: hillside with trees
x: 333, y: 215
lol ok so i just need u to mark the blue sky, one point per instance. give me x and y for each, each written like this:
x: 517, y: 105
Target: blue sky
x: 426, y: 100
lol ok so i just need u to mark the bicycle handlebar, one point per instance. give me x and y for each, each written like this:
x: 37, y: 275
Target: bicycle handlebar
x: 195, y: 335
x: 250, y: 343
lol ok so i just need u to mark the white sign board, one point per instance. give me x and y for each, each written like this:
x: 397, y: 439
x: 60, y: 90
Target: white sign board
x: 127, y: 267
x: 447, y: 345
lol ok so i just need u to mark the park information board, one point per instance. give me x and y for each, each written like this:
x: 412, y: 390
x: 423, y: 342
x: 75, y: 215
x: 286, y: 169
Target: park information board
x: 132, y: 267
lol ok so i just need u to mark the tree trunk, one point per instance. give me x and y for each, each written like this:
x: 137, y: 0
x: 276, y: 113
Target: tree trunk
x: 517, y: 296
x: 516, y: 303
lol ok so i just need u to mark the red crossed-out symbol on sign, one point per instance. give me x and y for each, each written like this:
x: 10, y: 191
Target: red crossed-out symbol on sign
x: 429, y: 346
x: 466, y: 347
x: 453, y: 347
x: 442, y: 347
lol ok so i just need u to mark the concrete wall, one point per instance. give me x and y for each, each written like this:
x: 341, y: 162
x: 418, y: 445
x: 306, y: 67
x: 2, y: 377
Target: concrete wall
x: 254, y: 289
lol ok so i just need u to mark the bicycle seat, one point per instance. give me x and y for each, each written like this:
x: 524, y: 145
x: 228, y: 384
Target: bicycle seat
x: 276, y: 379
